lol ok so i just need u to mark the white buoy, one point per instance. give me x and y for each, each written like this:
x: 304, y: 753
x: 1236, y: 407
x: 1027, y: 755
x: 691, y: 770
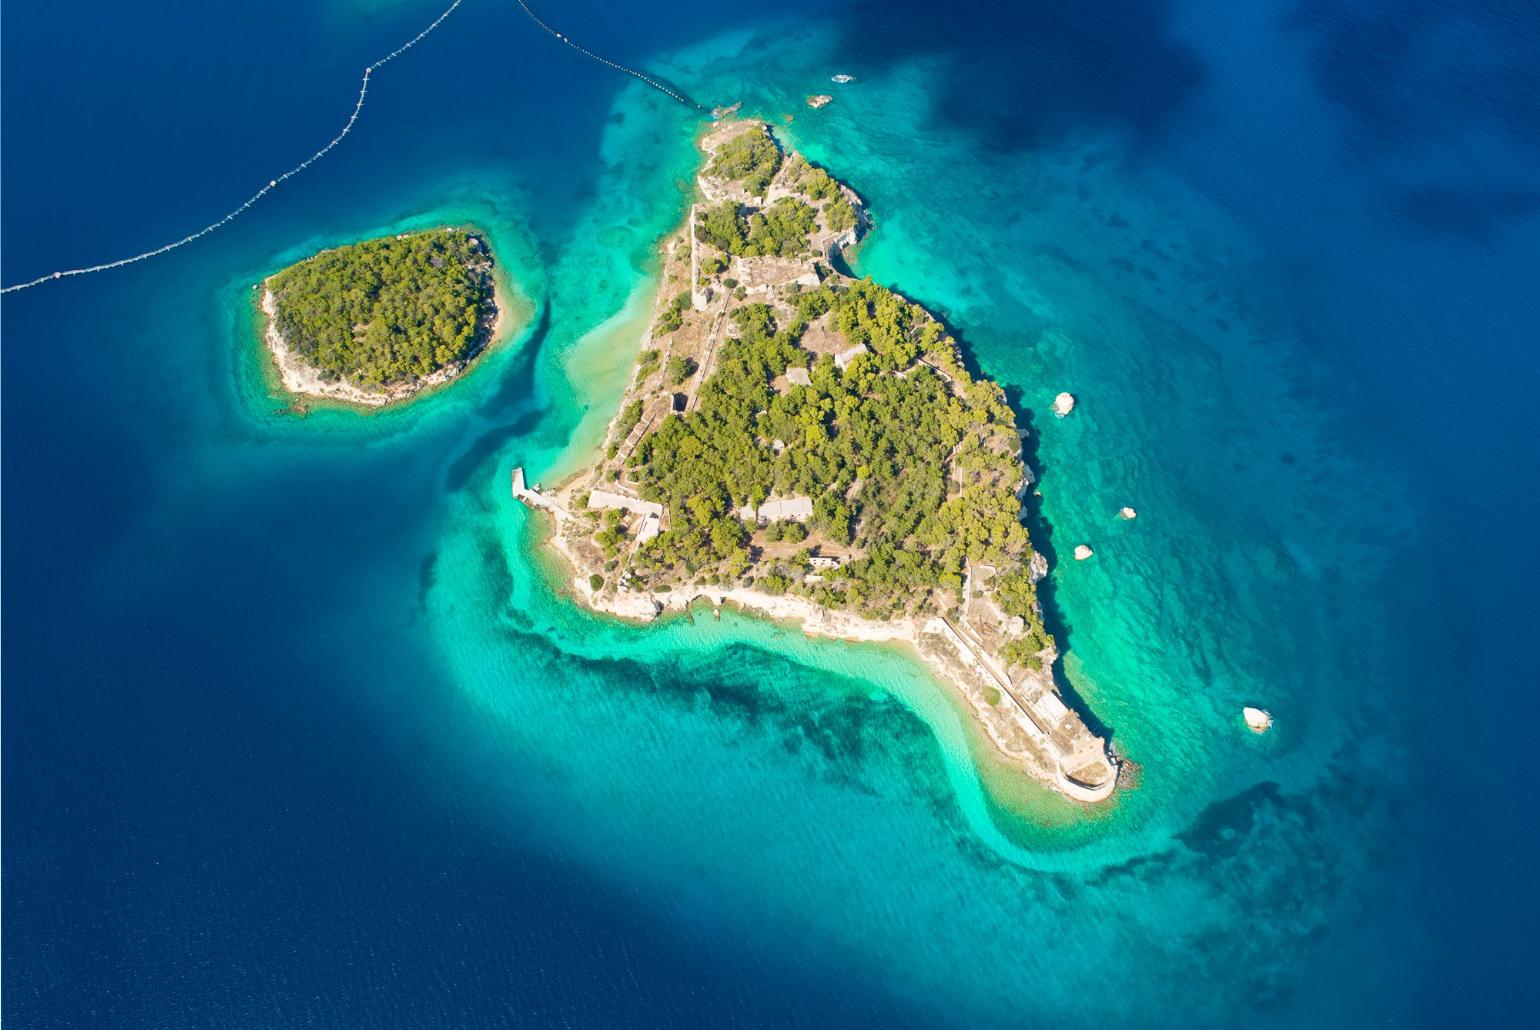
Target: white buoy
x: 1257, y: 719
x: 1083, y: 551
x: 1063, y: 404
x: 1126, y: 512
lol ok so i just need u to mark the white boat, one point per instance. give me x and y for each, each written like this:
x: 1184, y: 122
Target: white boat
x: 842, y: 79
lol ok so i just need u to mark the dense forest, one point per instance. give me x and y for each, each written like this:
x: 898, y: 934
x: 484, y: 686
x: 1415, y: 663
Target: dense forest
x: 388, y: 311
x: 751, y: 158
x: 914, y: 466
x: 818, y: 185
x: 780, y: 230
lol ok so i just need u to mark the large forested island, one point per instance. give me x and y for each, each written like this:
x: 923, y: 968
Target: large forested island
x: 378, y: 321
x: 811, y: 446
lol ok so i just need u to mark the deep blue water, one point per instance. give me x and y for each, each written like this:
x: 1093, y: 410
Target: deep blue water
x: 242, y: 783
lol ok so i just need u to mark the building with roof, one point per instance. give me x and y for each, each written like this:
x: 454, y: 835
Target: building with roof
x: 797, y: 509
x: 845, y: 357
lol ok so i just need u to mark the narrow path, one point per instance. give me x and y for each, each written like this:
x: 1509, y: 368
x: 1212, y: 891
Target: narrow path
x: 272, y: 184
x: 708, y: 363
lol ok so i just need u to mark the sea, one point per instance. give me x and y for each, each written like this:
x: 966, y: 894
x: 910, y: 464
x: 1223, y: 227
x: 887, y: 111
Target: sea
x: 302, y: 729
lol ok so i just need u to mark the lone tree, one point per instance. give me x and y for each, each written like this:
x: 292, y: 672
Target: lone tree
x: 680, y: 369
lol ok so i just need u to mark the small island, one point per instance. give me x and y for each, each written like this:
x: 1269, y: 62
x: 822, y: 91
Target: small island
x: 810, y: 446
x: 377, y: 322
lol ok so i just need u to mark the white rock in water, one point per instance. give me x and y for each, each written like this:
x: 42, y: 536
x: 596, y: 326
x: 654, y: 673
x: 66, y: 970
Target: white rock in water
x: 1063, y: 404
x: 1127, y: 513
x: 1082, y: 552
x: 1257, y: 719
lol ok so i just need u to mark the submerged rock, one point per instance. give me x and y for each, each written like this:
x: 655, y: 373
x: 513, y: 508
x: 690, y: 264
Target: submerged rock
x: 1127, y: 513
x: 819, y: 100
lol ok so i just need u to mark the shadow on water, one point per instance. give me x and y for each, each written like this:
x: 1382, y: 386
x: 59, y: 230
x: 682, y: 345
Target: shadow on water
x: 1221, y: 829
x: 1114, y: 63
x: 827, y: 722
x: 1038, y: 527
x: 1468, y: 210
x: 427, y: 577
x: 1398, y: 91
x: 487, y: 444
x: 1041, y: 532
x: 515, y: 392
x: 671, y: 84
x: 839, y: 264
x: 1391, y: 67
x: 518, y: 382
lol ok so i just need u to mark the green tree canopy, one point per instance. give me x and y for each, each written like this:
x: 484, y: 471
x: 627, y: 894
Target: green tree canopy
x: 914, y: 468
x: 751, y: 158
x: 388, y: 311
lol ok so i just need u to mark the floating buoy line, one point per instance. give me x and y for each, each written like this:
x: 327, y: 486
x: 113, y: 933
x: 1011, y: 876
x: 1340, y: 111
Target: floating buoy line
x: 272, y: 184
x: 654, y: 83
x: 358, y: 106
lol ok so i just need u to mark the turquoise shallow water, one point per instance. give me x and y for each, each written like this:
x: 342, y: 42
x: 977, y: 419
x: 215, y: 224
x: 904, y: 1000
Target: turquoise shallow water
x: 302, y: 698
x: 1064, y: 269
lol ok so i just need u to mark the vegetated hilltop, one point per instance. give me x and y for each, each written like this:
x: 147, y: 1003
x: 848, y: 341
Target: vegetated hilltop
x: 387, y: 312
x: 811, y: 446
x: 839, y: 402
